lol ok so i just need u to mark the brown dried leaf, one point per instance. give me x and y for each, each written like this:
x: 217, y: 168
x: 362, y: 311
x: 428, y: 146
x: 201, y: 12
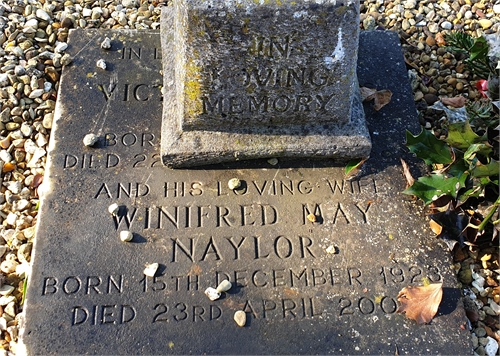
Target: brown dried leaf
x: 435, y: 227
x: 382, y: 98
x: 420, y: 303
x: 406, y: 172
x: 456, y: 102
x: 367, y: 93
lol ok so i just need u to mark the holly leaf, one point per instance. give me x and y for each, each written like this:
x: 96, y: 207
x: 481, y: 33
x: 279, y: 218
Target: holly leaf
x: 431, y: 188
x: 481, y: 148
x: 420, y: 303
x: 486, y: 170
x: 427, y: 147
x: 461, y: 136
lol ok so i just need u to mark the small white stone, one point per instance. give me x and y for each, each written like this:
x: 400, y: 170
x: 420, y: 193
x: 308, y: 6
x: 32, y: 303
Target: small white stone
x: 151, y: 269
x: 240, y: 317
x: 494, y: 306
x: 234, y: 183
x: 36, y: 93
x: 272, y: 161
x: 90, y: 139
x: 113, y: 209
x: 101, y: 64
x: 42, y: 15
x: 496, y: 8
x: 106, y: 44
x: 61, y: 47
x: 491, y: 347
x: 447, y: 25
x: 11, y: 219
x: 212, y: 293
x: 331, y: 250
x: 224, y: 286
x: 31, y: 23
x: 86, y: 12
x: 126, y: 236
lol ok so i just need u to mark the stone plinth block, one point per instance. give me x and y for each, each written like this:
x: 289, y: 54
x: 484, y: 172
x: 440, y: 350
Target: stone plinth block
x: 245, y: 80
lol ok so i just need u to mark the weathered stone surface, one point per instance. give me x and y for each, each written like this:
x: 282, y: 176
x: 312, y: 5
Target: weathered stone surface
x: 241, y: 62
x: 87, y: 293
x: 245, y: 80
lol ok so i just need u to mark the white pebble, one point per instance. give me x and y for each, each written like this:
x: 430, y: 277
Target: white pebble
x: 491, y: 347
x: 127, y: 236
x: 234, y: 183
x: 212, y: 293
x: 42, y: 15
x: 496, y: 8
x: 61, y: 47
x: 36, y: 93
x: 240, y: 317
x: 331, y: 250
x: 106, y: 44
x: 101, y: 64
x: 224, y: 286
x: 4, y: 79
x: 86, y: 12
x: 151, y: 269
x: 90, y: 139
x: 447, y: 25
x: 494, y: 306
x: 113, y: 209
x: 31, y: 23
x: 11, y: 219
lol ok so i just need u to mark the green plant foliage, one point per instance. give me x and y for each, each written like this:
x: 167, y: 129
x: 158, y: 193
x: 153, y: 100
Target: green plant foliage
x: 485, y: 170
x: 476, y: 49
x: 461, y: 136
x: 428, y: 147
x: 466, y: 163
x: 352, y: 164
x: 435, y: 186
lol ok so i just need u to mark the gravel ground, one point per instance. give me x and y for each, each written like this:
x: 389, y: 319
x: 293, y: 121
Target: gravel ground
x: 32, y: 41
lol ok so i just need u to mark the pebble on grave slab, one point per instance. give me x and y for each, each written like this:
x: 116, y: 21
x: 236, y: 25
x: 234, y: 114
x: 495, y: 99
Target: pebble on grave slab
x: 212, y: 293
x: 224, y: 286
x: 240, y: 317
x: 151, y: 269
x: 90, y: 140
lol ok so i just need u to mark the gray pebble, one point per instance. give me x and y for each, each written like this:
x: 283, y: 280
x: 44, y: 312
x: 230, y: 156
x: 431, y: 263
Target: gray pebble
x: 480, y: 332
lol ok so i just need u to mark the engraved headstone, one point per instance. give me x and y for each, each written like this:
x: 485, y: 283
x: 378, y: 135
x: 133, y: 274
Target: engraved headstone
x: 247, y: 79
x: 324, y: 287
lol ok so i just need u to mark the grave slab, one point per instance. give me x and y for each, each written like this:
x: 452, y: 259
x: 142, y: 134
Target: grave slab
x: 87, y: 293
x: 246, y: 80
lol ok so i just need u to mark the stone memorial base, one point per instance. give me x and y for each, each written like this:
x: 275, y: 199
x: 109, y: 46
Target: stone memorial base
x: 245, y: 139
x: 324, y: 287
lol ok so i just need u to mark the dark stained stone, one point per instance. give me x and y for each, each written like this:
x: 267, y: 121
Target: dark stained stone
x: 87, y: 293
x: 245, y: 79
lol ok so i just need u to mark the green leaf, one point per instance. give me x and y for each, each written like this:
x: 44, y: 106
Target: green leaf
x: 461, y: 136
x: 481, y: 148
x: 486, y: 170
x: 352, y: 164
x: 458, y: 168
x: 427, y: 147
x: 479, y: 50
x: 432, y: 187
